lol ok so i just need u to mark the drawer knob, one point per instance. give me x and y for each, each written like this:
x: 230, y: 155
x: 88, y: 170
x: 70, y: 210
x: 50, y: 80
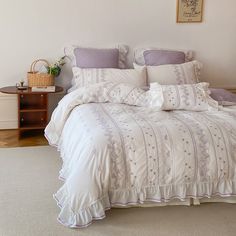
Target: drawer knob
x: 22, y: 119
x: 42, y: 95
x: 22, y: 96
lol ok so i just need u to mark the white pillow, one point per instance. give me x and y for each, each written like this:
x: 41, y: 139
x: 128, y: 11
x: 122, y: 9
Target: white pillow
x: 139, y: 54
x: 186, y: 73
x: 192, y: 97
x: 85, y: 77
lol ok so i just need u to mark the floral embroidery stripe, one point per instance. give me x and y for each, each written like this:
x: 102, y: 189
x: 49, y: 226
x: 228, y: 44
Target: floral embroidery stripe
x: 183, y: 74
x: 178, y: 75
x: 106, y: 111
x: 222, y: 126
x: 117, y: 173
x: 201, y: 127
x: 195, y: 154
x: 178, y: 96
x: 194, y: 94
x: 154, y: 134
x: 123, y: 155
x: 139, y: 125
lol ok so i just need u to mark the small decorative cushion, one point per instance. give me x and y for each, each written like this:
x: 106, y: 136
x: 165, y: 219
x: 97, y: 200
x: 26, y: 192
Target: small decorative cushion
x: 159, y: 56
x: 98, y: 57
x: 85, y: 77
x: 186, y: 73
x: 192, y: 97
x: 163, y: 57
x: 223, y: 96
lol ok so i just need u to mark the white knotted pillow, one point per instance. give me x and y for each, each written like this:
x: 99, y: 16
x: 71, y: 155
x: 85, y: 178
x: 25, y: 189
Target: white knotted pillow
x: 191, y: 97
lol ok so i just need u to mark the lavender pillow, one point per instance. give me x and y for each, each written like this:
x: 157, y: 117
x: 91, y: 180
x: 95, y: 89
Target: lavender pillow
x: 93, y: 56
x: 153, y: 52
x: 97, y: 58
x: 163, y: 57
x: 223, y: 96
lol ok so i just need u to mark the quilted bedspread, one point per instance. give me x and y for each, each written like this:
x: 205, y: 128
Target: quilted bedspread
x: 119, y: 149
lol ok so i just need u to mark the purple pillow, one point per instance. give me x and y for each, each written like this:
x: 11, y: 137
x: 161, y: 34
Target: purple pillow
x: 97, y: 58
x: 223, y: 96
x: 163, y: 57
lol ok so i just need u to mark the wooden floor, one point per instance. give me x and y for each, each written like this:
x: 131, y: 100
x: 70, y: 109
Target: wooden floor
x: 9, y: 138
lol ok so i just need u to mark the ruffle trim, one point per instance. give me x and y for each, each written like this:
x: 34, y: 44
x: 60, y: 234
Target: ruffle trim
x: 132, y: 197
x: 51, y: 135
x: 85, y: 217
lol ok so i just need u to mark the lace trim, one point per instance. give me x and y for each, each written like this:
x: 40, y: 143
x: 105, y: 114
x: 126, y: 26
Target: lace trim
x: 131, y: 197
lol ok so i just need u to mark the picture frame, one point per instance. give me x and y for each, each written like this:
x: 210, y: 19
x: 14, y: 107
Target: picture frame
x: 189, y: 11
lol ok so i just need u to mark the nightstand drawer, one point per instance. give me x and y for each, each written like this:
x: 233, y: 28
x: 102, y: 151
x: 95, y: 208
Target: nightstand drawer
x: 33, y: 101
x: 33, y: 119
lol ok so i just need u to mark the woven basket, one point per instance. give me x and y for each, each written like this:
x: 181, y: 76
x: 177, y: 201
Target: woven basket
x: 36, y: 79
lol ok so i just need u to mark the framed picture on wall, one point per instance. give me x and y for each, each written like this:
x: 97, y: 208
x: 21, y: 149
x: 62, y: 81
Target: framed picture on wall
x: 189, y: 11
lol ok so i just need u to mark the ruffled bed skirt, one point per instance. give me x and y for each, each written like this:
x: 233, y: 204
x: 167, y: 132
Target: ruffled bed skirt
x: 186, y: 194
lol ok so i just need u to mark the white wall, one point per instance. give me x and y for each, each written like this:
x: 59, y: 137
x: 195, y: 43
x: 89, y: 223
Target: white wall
x: 31, y: 29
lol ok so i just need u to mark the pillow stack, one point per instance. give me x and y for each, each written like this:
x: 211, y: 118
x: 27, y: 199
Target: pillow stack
x: 168, y: 67
x: 94, y: 65
x: 171, y: 71
x: 174, y: 80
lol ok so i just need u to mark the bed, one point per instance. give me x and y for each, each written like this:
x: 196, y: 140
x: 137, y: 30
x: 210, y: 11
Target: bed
x: 120, y: 151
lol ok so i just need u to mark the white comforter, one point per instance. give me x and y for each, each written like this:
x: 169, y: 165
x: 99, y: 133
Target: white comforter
x: 120, y: 150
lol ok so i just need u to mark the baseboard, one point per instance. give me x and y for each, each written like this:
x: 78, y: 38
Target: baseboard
x: 8, y: 124
x: 4, y: 97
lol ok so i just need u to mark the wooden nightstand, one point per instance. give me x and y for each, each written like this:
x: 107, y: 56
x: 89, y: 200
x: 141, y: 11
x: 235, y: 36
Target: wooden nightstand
x: 32, y: 107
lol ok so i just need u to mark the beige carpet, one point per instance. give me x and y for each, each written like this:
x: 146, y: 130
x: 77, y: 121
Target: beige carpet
x: 28, y: 178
